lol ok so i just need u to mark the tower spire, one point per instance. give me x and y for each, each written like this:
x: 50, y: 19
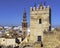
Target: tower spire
x: 24, y: 15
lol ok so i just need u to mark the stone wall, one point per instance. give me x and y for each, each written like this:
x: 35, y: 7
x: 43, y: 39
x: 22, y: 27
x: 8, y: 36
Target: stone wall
x: 52, y: 40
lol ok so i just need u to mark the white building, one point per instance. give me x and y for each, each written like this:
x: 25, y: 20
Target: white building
x: 8, y: 41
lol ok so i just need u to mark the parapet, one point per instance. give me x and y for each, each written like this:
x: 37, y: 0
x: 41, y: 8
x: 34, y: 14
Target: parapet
x: 40, y: 8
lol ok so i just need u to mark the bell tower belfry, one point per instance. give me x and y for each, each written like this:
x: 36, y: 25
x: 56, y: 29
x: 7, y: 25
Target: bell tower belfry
x: 40, y: 21
x: 24, y: 24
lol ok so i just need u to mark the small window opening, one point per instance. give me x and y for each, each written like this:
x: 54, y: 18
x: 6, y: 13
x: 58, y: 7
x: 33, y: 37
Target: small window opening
x: 40, y: 21
x: 39, y: 38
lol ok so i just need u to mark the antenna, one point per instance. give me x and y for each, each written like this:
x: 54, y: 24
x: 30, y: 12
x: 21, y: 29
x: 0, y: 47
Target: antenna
x: 44, y: 3
x: 34, y: 3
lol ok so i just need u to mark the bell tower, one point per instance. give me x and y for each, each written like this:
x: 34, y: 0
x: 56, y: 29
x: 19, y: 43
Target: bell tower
x: 24, y: 24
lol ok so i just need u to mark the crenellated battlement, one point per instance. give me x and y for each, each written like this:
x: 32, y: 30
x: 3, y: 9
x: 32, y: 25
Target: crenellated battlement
x: 40, y: 8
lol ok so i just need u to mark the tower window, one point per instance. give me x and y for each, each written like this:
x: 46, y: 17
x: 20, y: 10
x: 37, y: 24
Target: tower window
x: 24, y: 24
x: 39, y: 38
x: 40, y: 21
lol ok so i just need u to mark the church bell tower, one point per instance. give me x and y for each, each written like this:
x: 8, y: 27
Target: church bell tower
x: 24, y: 24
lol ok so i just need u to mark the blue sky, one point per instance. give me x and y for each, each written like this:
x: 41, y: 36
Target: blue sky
x: 11, y: 11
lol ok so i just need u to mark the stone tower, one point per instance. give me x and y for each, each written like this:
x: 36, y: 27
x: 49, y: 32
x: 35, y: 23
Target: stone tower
x: 24, y: 24
x: 40, y: 21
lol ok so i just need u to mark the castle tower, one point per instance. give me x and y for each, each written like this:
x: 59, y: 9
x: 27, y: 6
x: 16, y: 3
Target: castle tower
x: 40, y: 21
x: 24, y: 24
